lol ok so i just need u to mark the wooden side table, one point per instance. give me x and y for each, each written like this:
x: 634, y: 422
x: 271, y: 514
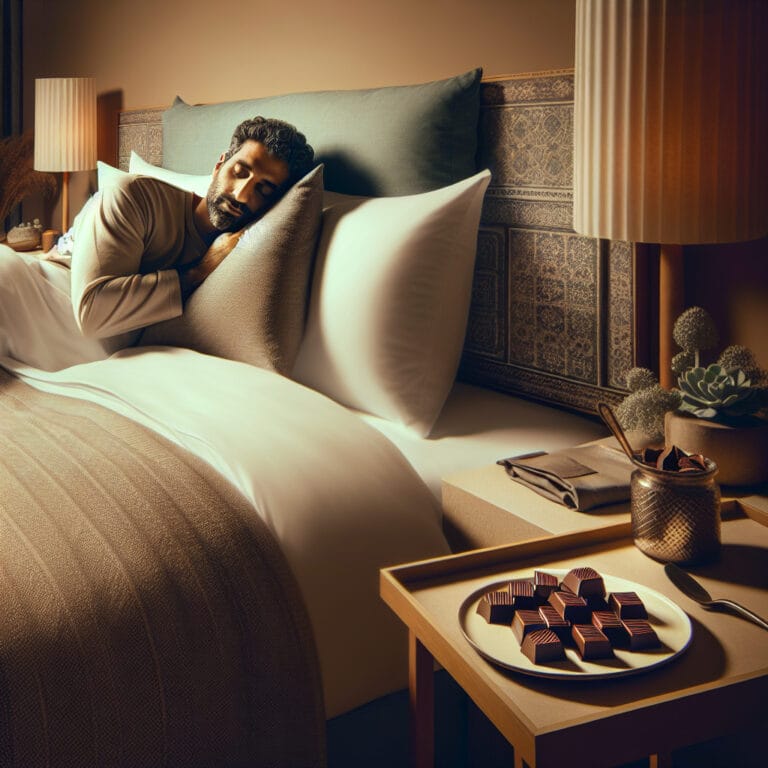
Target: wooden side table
x: 717, y: 686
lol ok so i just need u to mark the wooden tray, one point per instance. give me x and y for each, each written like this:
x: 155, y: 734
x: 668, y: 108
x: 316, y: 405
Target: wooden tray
x: 716, y: 687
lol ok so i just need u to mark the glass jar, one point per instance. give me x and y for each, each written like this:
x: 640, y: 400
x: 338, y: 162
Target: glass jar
x: 676, y: 515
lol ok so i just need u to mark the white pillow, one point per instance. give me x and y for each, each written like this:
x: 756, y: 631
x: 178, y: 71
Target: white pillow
x: 390, y: 299
x: 188, y: 181
x: 107, y: 175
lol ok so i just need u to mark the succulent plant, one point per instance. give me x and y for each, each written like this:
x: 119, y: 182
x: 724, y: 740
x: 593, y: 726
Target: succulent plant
x: 732, y: 391
x: 739, y: 357
x: 715, y: 392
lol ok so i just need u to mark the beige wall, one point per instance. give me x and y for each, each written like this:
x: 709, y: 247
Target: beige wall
x: 149, y: 51
x: 206, y: 50
x: 203, y: 50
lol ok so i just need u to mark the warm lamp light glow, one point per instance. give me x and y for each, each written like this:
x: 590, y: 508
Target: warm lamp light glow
x: 670, y: 127
x: 65, y: 129
x: 670, y: 120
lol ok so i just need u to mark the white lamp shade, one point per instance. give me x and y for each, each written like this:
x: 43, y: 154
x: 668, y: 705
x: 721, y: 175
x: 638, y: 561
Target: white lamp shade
x: 65, y: 124
x: 671, y: 120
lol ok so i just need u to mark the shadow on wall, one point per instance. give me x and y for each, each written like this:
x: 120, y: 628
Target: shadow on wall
x: 108, y: 106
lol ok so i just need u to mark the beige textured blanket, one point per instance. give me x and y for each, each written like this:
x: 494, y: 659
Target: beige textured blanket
x: 147, y: 616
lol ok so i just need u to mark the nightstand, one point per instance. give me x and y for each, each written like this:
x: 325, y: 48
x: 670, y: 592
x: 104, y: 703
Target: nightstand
x: 713, y: 689
x: 484, y: 507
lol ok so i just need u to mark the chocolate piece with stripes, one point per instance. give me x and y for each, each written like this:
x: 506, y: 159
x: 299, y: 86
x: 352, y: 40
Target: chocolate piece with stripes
x: 556, y: 622
x: 642, y: 635
x: 584, y: 582
x: 610, y: 625
x: 525, y: 622
x: 544, y: 584
x: 542, y: 646
x: 497, y: 607
x: 570, y: 607
x: 627, y: 605
x: 591, y: 642
x: 522, y: 594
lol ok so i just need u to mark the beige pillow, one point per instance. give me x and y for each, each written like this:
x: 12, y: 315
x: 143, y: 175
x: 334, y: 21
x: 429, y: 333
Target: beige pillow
x: 390, y: 299
x: 252, y: 307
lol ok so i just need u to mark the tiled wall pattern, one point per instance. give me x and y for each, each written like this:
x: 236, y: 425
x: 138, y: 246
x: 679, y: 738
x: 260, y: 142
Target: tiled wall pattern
x: 552, y: 312
x: 142, y: 132
x: 561, y: 329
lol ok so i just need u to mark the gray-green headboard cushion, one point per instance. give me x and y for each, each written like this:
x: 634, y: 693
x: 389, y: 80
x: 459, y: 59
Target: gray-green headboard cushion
x: 396, y: 140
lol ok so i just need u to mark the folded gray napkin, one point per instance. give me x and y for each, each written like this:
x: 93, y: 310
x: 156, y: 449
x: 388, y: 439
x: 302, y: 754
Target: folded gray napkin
x: 582, y: 478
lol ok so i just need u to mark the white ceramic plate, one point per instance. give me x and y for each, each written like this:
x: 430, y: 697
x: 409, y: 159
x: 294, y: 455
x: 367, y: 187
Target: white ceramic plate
x: 498, y: 644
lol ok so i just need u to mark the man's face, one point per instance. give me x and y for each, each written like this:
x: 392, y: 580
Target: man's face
x: 244, y: 185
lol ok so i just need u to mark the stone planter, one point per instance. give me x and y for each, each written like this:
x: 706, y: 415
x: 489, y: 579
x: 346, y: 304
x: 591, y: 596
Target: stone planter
x: 741, y: 453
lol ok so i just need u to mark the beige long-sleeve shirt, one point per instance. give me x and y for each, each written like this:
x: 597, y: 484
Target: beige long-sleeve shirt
x: 127, y: 248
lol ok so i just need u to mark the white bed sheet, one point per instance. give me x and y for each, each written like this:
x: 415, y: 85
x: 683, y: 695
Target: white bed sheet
x: 244, y: 421
x: 340, y: 498
x: 478, y: 426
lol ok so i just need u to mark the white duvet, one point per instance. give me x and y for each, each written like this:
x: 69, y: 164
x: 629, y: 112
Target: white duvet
x: 341, y: 499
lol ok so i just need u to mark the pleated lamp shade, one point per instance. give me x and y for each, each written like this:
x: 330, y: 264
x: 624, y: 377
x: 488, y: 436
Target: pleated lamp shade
x: 65, y: 130
x: 65, y: 124
x: 671, y: 120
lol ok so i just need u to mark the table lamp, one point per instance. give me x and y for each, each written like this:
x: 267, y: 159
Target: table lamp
x: 671, y: 130
x: 65, y: 130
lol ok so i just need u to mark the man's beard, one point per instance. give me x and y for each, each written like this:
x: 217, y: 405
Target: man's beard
x: 221, y: 217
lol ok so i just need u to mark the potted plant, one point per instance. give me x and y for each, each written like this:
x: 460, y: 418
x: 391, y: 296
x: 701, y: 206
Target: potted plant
x: 718, y: 410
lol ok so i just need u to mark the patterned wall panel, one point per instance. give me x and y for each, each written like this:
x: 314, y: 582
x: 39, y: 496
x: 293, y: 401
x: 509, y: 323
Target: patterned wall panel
x: 487, y: 326
x: 569, y: 310
x: 620, y: 314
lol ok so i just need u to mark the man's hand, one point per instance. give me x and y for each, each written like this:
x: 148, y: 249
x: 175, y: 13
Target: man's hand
x: 191, y: 277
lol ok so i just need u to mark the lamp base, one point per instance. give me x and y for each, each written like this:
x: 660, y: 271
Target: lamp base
x: 671, y: 300
x: 65, y: 201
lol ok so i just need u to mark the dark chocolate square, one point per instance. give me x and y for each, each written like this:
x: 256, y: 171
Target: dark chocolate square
x: 526, y: 621
x: 542, y: 646
x: 642, y: 635
x: 497, y: 607
x: 544, y: 584
x: 627, y: 605
x: 570, y: 607
x: 591, y: 642
x: 584, y: 582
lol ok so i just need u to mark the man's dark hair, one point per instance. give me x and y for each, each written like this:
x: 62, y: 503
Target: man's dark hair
x: 281, y: 139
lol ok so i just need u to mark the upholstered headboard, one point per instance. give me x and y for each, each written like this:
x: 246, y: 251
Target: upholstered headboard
x: 554, y: 316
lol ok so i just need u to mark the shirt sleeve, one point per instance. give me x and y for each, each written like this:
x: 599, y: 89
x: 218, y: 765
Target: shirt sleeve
x: 110, y: 295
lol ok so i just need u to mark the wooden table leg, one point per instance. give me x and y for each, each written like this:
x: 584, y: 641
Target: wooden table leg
x: 422, y: 703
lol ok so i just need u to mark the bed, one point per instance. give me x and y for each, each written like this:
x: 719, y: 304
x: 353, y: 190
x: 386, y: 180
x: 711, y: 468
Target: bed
x: 193, y: 527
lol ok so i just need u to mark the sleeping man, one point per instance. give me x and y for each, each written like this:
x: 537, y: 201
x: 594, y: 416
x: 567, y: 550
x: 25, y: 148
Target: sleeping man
x: 140, y: 249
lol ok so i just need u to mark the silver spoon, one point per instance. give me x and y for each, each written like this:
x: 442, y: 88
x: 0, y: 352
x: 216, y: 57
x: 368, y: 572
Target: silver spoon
x: 690, y: 587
